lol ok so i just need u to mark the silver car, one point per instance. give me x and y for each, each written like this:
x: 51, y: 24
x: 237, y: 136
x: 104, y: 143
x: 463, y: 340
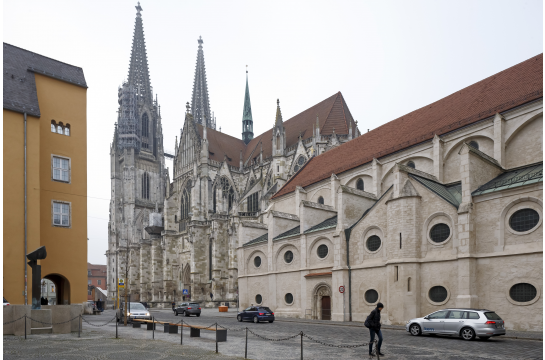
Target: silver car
x: 466, y: 323
x: 134, y: 311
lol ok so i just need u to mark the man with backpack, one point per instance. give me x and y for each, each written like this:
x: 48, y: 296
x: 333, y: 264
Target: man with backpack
x: 373, y: 323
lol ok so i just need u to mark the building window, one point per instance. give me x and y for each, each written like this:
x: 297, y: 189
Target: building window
x: 409, y: 285
x: 258, y: 299
x: 89, y: 272
x: 373, y: 243
x: 61, y: 169
x: 61, y: 214
x: 371, y: 296
x: 53, y: 126
x: 99, y: 282
x: 523, y: 292
x: 253, y: 202
x: 321, y: 200
x: 288, y: 298
x: 322, y: 251
x: 67, y: 130
x: 257, y: 261
x: 288, y: 256
x: 396, y: 273
x: 300, y: 161
x: 438, y: 294
x: 439, y: 233
x: 89, y: 282
x: 145, y: 185
x: 145, y: 125
x: 89, y: 292
x: 359, y: 184
x: 411, y: 164
x: 59, y: 128
x: 474, y: 144
x: 524, y: 220
x: 186, y: 203
x: 227, y: 192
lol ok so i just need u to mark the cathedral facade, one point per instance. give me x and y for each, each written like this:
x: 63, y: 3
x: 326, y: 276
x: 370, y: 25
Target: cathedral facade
x: 174, y: 239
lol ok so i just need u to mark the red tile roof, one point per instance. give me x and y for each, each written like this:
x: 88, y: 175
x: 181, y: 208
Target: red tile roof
x: 332, y: 113
x: 510, y: 88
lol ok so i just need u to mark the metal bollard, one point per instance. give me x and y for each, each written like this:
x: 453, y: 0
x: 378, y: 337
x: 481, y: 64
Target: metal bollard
x: 79, y: 326
x: 153, y: 327
x: 301, y: 345
x: 376, y: 349
x: 116, y: 325
x: 182, y: 333
x: 216, y: 338
x: 246, y: 346
x: 25, y: 326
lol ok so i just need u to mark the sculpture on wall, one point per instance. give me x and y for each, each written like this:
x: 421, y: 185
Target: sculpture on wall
x: 38, y: 254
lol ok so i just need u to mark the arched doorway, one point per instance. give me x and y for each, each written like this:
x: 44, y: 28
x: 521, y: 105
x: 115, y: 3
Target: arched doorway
x: 49, y: 292
x: 322, y: 302
x: 62, y: 288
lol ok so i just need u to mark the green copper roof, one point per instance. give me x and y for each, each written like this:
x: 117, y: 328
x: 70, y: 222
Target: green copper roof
x: 291, y: 232
x: 247, y: 112
x: 450, y: 193
x: 326, y: 224
x: 262, y: 238
x: 511, y: 179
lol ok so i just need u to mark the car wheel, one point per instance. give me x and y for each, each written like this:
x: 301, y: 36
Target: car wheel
x: 239, y: 318
x: 271, y: 321
x: 415, y: 330
x: 198, y: 315
x: 468, y: 334
x: 176, y: 313
x: 484, y: 337
x: 256, y: 320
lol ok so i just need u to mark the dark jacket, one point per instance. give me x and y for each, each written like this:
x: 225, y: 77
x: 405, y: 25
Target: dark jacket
x: 374, y: 319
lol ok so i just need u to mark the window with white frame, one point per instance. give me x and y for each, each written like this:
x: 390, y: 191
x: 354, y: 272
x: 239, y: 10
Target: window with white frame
x: 61, y: 169
x: 61, y: 214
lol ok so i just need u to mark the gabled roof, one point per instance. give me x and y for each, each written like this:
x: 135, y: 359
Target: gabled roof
x: 220, y: 144
x: 450, y: 193
x: 262, y: 238
x: 291, y: 232
x: 511, y: 179
x: 326, y: 224
x: 510, y: 88
x: 20, y: 93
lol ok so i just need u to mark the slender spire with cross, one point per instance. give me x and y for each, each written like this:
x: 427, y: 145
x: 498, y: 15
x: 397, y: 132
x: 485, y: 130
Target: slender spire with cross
x: 138, y: 68
x: 247, y: 121
x: 200, y: 103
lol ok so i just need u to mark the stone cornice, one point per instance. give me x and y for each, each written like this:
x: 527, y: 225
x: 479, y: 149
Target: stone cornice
x: 284, y: 215
x: 347, y: 189
x: 317, y: 206
x: 252, y: 224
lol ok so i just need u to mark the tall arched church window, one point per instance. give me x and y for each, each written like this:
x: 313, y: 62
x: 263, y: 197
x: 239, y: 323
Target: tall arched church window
x: 186, y: 202
x: 253, y: 202
x: 359, y: 184
x: 145, y: 185
x: 228, y: 192
x: 145, y: 125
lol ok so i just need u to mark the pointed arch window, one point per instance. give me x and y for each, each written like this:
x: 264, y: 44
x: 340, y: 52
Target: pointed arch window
x: 228, y: 192
x: 186, y: 202
x: 145, y: 125
x: 359, y: 184
x: 145, y: 186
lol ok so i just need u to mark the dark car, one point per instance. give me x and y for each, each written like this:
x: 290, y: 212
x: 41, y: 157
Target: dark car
x: 188, y: 309
x: 256, y: 314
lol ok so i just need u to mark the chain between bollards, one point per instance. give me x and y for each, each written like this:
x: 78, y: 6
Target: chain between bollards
x: 246, y: 347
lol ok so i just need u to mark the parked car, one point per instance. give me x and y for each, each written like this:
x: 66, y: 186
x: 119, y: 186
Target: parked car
x: 466, y: 323
x: 145, y: 304
x: 6, y: 303
x: 256, y: 314
x: 188, y: 309
x: 135, y: 311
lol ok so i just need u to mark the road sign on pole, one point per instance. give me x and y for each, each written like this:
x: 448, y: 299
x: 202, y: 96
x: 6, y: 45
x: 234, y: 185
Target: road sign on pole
x: 341, y: 289
x: 185, y: 292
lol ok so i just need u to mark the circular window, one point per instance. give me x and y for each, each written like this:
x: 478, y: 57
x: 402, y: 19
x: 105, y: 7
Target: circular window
x: 411, y: 164
x: 257, y: 261
x: 438, y: 294
x: 288, y: 256
x: 524, y: 220
x: 258, y: 299
x: 288, y: 298
x: 322, y: 251
x: 523, y: 292
x: 321, y: 200
x: 301, y: 160
x: 439, y: 233
x: 474, y: 144
x: 373, y: 243
x: 371, y: 296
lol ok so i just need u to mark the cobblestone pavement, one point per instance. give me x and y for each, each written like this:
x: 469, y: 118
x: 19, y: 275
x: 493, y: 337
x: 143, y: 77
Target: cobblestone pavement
x: 95, y: 346
x: 397, y: 344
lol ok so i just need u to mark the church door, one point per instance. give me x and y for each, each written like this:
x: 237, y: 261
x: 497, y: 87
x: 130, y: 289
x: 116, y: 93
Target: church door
x: 326, y: 308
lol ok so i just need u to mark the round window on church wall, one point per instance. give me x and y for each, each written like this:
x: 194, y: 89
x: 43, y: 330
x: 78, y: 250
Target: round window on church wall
x: 523, y: 292
x: 439, y: 233
x: 258, y: 299
x: 257, y: 261
x: 288, y: 298
x: 524, y: 220
x: 438, y: 294
x: 373, y: 243
x: 322, y: 251
x: 371, y: 296
x: 288, y: 256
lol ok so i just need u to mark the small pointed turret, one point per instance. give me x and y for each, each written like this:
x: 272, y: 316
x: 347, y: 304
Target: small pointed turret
x: 247, y: 121
x: 278, y: 119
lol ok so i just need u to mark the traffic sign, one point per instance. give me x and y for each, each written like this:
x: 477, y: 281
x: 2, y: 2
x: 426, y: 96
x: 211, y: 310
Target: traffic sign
x: 185, y: 292
x: 341, y: 289
x: 121, y: 282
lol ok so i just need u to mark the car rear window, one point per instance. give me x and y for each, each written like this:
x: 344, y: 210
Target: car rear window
x: 492, y: 316
x: 194, y: 304
x: 473, y: 315
x: 266, y: 309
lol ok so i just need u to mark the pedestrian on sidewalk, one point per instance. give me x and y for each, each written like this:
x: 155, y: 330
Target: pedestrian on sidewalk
x: 373, y: 323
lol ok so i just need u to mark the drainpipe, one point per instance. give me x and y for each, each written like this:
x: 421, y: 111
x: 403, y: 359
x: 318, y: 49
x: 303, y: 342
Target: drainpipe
x: 347, y: 236
x: 24, y: 255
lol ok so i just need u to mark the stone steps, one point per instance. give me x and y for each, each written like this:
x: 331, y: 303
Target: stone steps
x: 42, y: 330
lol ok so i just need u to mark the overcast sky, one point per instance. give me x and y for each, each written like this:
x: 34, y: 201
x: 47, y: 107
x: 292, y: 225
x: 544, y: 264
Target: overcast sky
x: 386, y: 57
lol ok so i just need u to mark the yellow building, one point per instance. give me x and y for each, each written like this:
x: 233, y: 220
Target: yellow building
x: 51, y: 98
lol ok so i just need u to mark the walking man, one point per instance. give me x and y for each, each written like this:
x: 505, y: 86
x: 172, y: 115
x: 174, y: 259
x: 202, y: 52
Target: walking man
x: 373, y: 323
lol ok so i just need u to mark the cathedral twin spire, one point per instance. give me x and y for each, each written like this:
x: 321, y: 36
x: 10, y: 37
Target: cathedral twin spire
x: 200, y: 104
x: 138, y: 68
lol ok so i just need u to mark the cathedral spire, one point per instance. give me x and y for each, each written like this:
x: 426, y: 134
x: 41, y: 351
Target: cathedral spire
x: 200, y: 104
x: 138, y: 68
x: 247, y: 121
x: 278, y: 120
